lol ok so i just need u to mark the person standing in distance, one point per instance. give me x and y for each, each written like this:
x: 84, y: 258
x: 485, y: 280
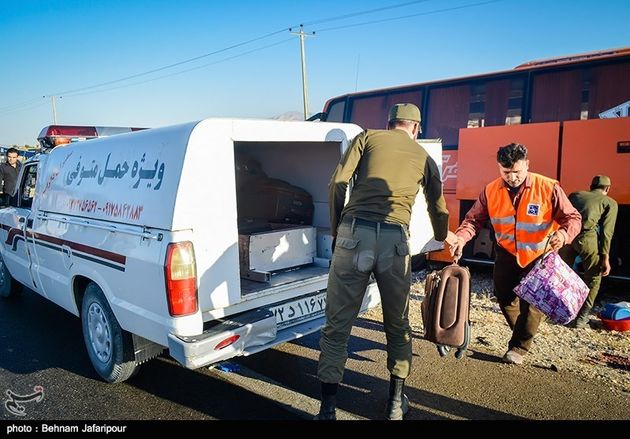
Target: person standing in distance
x: 9, y: 172
x: 387, y: 168
x: 524, y: 209
x: 599, y: 214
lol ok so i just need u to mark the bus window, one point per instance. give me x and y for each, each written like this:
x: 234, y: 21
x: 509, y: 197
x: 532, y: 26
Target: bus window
x: 477, y: 106
x: 609, y: 87
x: 557, y: 96
x: 448, y: 112
x: 515, y: 102
x: 335, y: 111
x: 498, y: 102
x: 372, y: 111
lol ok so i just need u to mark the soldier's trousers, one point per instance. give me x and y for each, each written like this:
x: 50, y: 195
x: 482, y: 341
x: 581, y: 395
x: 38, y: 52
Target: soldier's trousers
x: 362, y: 248
x: 585, y: 245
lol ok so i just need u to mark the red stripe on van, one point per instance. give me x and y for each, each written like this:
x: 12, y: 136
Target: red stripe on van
x: 103, y: 254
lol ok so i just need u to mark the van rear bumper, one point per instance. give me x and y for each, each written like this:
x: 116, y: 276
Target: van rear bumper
x: 257, y: 330
x: 254, y: 328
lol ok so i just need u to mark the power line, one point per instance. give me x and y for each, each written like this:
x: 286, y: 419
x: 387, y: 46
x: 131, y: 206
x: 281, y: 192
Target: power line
x: 370, y: 11
x: 402, y: 17
x: 10, y: 109
x: 181, y: 71
x: 24, y: 108
x: 19, y: 104
x: 148, y: 72
x: 189, y: 60
x: 75, y: 92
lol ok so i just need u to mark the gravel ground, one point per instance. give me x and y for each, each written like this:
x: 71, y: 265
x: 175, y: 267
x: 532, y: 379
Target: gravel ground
x: 594, y: 354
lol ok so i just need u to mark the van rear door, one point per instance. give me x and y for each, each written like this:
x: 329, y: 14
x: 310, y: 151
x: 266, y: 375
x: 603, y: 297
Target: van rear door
x: 420, y: 230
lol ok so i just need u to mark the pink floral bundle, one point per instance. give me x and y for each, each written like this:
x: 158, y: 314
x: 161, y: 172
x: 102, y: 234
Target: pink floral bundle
x: 553, y: 288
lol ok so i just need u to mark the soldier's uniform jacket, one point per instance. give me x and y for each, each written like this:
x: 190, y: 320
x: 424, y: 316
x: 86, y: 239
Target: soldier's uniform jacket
x: 388, y: 165
x: 599, y: 213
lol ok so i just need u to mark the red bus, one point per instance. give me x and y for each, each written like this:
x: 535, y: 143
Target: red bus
x: 533, y: 103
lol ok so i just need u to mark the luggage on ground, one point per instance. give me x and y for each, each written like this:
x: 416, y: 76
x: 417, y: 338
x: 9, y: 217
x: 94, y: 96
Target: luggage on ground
x: 446, y: 309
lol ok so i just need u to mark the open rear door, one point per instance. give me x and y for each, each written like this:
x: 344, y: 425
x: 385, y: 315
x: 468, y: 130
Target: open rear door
x: 421, y: 239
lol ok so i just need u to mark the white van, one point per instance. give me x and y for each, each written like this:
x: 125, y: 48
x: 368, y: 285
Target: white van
x: 138, y: 234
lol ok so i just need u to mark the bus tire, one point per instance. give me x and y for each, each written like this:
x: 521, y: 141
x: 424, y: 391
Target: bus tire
x: 109, y: 347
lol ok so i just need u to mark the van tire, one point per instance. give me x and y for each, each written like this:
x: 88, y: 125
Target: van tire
x: 9, y: 287
x: 109, y: 347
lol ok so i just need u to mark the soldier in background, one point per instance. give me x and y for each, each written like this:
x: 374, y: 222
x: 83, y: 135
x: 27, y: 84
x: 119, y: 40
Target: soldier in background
x: 599, y: 214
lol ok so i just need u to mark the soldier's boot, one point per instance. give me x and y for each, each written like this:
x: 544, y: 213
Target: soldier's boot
x: 328, y: 405
x: 582, y: 319
x: 398, y: 404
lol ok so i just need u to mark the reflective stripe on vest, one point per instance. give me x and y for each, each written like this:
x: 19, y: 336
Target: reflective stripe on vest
x: 523, y: 233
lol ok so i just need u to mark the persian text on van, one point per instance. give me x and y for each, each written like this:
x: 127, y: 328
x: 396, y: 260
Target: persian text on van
x: 152, y: 176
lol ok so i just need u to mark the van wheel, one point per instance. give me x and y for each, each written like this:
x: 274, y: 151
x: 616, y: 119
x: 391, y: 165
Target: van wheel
x: 9, y: 287
x: 109, y: 346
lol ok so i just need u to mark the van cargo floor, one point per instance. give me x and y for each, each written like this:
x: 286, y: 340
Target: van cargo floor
x: 282, y: 278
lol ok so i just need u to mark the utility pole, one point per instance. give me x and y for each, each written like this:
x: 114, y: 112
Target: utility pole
x: 302, y: 34
x: 356, y: 80
x: 54, y: 107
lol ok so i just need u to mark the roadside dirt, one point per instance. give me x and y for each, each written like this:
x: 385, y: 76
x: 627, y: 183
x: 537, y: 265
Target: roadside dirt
x: 594, y: 354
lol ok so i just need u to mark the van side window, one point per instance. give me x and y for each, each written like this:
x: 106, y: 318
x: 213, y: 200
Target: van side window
x: 27, y: 186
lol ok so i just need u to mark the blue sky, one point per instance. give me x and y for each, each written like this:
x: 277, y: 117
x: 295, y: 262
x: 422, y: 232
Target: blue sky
x: 54, y: 47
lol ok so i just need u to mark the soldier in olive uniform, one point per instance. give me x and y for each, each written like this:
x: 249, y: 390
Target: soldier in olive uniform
x: 599, y: 213
x: 371, y: 237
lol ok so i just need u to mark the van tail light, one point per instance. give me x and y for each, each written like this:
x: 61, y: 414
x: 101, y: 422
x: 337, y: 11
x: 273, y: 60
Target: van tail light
x: 181, y: 279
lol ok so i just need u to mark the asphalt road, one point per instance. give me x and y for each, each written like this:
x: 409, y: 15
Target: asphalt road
x: 42, y: 345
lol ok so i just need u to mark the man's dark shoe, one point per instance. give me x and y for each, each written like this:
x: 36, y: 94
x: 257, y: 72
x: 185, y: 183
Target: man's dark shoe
x: 513, y: 357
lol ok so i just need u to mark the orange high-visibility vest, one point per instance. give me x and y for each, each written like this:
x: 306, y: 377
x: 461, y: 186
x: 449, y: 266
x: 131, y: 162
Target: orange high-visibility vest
x: 522, y: 232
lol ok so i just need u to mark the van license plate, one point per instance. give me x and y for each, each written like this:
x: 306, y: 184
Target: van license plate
x: 300, y: 310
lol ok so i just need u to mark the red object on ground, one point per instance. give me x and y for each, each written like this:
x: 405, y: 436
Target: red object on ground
x: 616, y: 325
